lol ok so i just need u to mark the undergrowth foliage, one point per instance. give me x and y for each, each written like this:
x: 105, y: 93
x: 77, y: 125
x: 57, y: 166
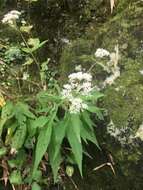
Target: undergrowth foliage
x: 42, y: 130
x: 41, y: 136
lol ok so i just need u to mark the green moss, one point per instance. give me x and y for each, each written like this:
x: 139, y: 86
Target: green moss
x: 124, y: 99
x: 124, y: 105
x: 78, y: 52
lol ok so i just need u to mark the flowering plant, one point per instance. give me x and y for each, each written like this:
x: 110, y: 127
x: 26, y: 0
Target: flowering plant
x: 47, y: 130
x: 52, y: 127
x: 78, y: 100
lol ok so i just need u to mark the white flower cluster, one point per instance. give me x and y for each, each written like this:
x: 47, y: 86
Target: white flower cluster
x: 77, y: 105
x: 110, y: 80
x: 100, y: 52
x: 11, y: 17
x: 79, y: 84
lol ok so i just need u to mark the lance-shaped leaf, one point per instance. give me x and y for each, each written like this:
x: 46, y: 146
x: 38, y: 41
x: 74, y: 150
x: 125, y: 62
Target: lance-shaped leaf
x: 76, y: 147
x: 60, y: 131
x: 94, y: 109
x: 55, y: 160
x: 76, y: 125
x: 43, y: 142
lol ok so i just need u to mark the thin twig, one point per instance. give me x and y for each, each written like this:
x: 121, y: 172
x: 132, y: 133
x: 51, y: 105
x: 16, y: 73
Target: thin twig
x: 105, y: 164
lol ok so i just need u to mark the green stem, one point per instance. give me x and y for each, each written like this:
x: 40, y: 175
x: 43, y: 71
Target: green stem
x: 32, y: 55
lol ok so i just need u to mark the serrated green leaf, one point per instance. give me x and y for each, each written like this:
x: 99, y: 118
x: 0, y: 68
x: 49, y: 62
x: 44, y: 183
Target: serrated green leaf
x: 35, y: 186
x: 15, y: 178
x: 38, y: 176
x: 86, y: 118
x: 55, y: 163
x: 10, y: 132
x: 76, y: 125
x: 43, y: 142
x: 40, y: 121
x: 3, y: 151
x: 94, y: 96
x: 46, y: 97
x: 42, y: 145
x: 18, y: 161
x: 94, y: 109
x: 19, y: 137
x: 76, y: 147
x: 7, y: 113
x: 60, y: 131
x: 23, y: 109
x: 88, y: 134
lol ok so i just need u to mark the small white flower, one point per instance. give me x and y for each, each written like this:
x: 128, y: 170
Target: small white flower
x: 87, y: 76
x: 78, y: 68
x: 77, y: 105
x: 25, y: 76
x: 66, y: 94
x: 11, y: 17
x: 86, y: 88
x: 100, y: 52
x: 75, y: 76
x: 67, y: 86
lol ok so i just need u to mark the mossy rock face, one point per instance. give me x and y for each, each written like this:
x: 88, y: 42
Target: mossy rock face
x: 123, y: 99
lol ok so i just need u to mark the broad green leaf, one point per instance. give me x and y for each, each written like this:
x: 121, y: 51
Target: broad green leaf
x: 43, y: 142
x: 33, y: 125
x: 76, y: 147
x: 18, y: 160
x: 35, y: 186
x: 86, y: 118
x: 40, y: 122
x: 94, y: 109
x: 60, y: 131
x: 55, y: 163
x: 95, y: 95
x: 76, y: 125
x: 88, y: 134
x: 38, y: 176
x: 15, y: 178
x: 22, y: 108
x: 10, y: 131
x: 19, y: 137
x: 7, y: 113
x: 46, y: 97
x: 42, y: 145
x: 3, y: 151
